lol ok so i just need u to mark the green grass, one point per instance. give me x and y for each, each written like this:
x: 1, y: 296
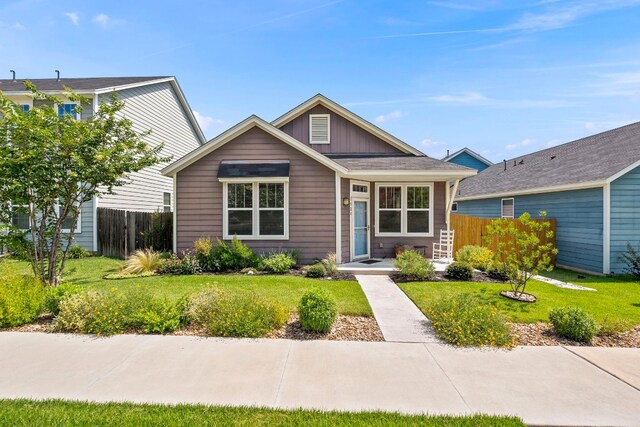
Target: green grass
x: 615, y: 299
x: 54, y: 413
x: 283, y: 288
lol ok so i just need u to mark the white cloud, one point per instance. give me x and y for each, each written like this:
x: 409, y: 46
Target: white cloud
x: 522, y: 144
x: 394, y: 115
x: 102, y: 19
x: 469, y: 98
x: 73, y: 17
x: 207, y: 122
x: 18, y: 26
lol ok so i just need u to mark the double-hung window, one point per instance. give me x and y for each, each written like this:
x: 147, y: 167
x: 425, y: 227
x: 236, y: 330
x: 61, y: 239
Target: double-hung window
x: 256, y: 210
x: 68, y: 109
x: 507, y: 208
x: 404, y: 210
x: 166, y: 202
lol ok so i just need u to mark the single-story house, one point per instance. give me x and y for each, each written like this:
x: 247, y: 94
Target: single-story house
x: 319, y: 179
x: 155, y: 103
x: 591, y: 186
x: 469, y: 158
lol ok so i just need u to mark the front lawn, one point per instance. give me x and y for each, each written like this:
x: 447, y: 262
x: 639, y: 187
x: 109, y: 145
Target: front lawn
x: 56, y: 413
x: 285, y: 289
x: 616, y: 298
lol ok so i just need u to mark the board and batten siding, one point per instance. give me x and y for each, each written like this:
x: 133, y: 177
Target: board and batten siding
x: 465, y: 159
x: 625, y: 217
x: 346, y: 137
x: 312, y: 213
x: 158, y: 108
x: 579, y: 222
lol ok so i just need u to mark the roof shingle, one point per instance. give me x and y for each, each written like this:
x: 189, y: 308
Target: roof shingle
x: 85, y: 83
x: 397, y: 163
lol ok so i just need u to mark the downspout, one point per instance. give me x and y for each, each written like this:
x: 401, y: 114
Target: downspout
x: 606, y: 229
x: 338, y: 221
x: 175, y: 213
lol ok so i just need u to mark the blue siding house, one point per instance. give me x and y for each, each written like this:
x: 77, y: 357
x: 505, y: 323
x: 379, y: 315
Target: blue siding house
x: 468, y: 158
x: 590, y: 186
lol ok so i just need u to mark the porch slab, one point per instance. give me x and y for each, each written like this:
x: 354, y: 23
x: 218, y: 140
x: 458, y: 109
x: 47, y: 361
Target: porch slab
x: 382, y: 266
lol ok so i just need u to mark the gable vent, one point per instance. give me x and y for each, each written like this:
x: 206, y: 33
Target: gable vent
x: 319, y: 129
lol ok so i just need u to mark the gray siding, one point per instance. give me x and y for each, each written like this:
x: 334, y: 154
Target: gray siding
x: 579, y: 219
x: 85, y: 237
x: 158, y: 108
x: 466, y: 159
x: 625, y: 217
x: 346, y: 137
x: 311, y: 197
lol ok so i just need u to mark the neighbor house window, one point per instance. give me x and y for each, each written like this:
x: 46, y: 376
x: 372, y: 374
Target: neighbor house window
x: 319, y: 129
x: 454, y: 207
x: 68, y: 109
x: 256, y: 210
x: 166, y: 202
x: 508, y: 208
x: 404, y: 210
x: 68, y: 221
x: 20, y: 217
x: 25, y: 107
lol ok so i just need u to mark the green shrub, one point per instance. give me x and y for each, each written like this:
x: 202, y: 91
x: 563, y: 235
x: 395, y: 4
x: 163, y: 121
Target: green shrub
x: 612, y: 326
x: 478, y: 257
x: 142, y: 261
x: 413, y: 264
x: 330, y: 263
x: 573, y: 323
x: 224, y: 257
x: 459, y: 271
x: 278, y: 263
x: 464, y: 320
x: 158, y: 316
x: 202, y: 306
x: 246, y: 315
x: 187, y: 264
x: 497, y: 271
x: 78, y: 252
x: 55, y: 294
x: 316, y: 270
x: 318, y: 311
x: 632, y: 259
x: 21, y: 298
x: 204, y: 253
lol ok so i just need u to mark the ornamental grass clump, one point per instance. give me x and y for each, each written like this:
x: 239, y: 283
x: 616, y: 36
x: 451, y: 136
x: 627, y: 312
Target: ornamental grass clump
x: 318, y: 310
x: 142, y: 261
x: 463, y: 320
x: 573, y: 323
x: 413, y: 265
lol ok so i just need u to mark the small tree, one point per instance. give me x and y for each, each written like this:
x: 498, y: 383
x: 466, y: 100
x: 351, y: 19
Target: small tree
x: 632, y: 259
x: 51, y: 164
x: 519, y: 253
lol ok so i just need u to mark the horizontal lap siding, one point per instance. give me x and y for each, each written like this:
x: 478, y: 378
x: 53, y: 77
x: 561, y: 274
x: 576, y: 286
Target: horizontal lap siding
x: 346, y: 137
x: 85, y: 237
x: 579, y: 215
x: 311, y: 196
x: 625, y: 217
x: 465, y: 159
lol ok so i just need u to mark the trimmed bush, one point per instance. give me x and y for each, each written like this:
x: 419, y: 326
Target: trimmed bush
x: 459, y: 271
x: 478, y: 257
x: 573, y: 323
x: 278, y: 263
x: 187, y: 264
x: 464, y: 320
x: 142, y: 261
x: 318, y: 311
x: 316, y: 270
x: 498, y: 271
x: 78, y: 252
x: 245, y: 315
x: 56, y: 294
x: 413, y: 264
x: 21, y: 298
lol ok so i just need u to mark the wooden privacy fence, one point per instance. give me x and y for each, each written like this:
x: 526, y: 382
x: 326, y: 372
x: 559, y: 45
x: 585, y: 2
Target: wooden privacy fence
x: 470, y: 230
x: 122, y: 232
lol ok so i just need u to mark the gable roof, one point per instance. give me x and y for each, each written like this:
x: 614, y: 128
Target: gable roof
x: 320, y: 99
x: 239, y: 129
x: 101, y: 85
x: 588, y: 162
x: 469, y: 152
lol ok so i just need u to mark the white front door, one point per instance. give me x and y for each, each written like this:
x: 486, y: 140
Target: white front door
x: 360, y: 232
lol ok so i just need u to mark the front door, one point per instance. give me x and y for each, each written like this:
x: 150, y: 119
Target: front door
x: 360, y: 228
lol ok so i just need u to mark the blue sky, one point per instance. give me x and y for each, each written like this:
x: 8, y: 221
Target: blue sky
x: 501, y: 77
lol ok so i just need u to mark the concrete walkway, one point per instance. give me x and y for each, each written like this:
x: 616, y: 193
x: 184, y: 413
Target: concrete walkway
x: 398, y: 317
x: 542, y: 385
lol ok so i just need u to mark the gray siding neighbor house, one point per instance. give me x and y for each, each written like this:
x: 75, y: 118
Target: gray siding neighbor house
x: 155, y: 103
x: 591, y: 186
x: 319, y: 179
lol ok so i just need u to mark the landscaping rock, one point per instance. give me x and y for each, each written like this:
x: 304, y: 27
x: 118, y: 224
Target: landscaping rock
x: 543, y: 334
x: 346, y: 328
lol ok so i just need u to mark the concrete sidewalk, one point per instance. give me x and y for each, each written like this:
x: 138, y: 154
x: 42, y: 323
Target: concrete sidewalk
x: 400, y: 320
x: 542, y: 385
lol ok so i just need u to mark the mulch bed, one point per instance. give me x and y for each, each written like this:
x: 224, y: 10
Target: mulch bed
x: 543, y: 334
x: 520, y: 296
x: 438, y: 276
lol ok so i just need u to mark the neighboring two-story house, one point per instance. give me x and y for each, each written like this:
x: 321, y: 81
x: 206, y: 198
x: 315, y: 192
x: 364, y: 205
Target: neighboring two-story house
x: 155, y: 103
x: 319, y: 179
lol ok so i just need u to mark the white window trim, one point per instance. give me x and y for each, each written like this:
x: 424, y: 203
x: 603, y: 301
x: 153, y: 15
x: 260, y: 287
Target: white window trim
x: 404, y: 210
x: 78, y: 229
x: 164, y: 205
x: 328, y: 141
x: 255, y: 207
x: 502, y: 207
x: 78, y: 115
x: 359, y: 193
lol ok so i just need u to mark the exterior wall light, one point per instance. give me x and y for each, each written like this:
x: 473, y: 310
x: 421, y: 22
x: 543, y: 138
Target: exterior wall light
x: 346, y: 201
